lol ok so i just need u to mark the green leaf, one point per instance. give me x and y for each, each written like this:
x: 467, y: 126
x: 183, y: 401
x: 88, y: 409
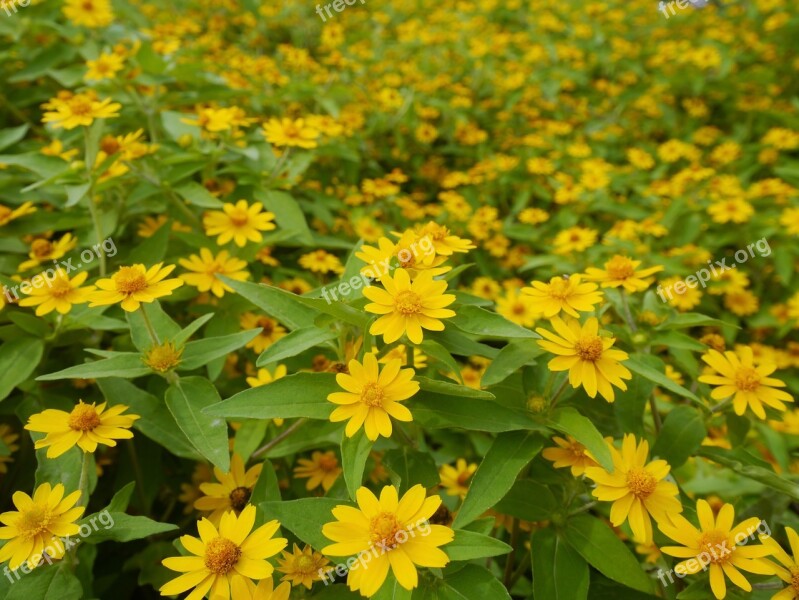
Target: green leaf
x: 509, y: 360
x: 354, y: 452
x: 128, y: 365
x: 481, y: 322
x: 341, y: 311
x: 681, y: 436
x: 675, y: 339
x: 305, y: 517
x: 120, y: 501
x: 298, y: 395
x: 637, y: 364
x: 249, y: 436
x: 600, y: 547
x: 630, y: 405
x: 451, y: 389
x: 280, y: 304
x: 288, y: 214
x: 183, y: 336
x: 201, y: 352
x: 436, y: 411
x: 156, y: 422
x: 294, y: 343
x: 64, y: 469
x: 568, y: 420
x: 48, y: 582
x: 10, y: 136
x: 744, y: 464
x: 685, y: 320
x: 529, y: 501
x: 440, y: 354
x: 469, y: 545
x: 412, y: 467
x: 18, y: 359
x: 120, y: 527
x: 185, y: 399
x: 151, y: 250
x: 559, y: 572
x: 392, y: 590
x: 495, y: 476
x: 44, y: 166
x: 195, y: 194
x: 472, y: 582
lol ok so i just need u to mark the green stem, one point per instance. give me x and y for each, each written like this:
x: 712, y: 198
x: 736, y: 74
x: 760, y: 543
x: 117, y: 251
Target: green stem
x: 628, y: 316
x: 83, y: 482
x: 721, y: 406
x: 409, y: 350
x: 558, y: 392
x: 90, y: 195
x: 653, y: 407
x: 278, y: 165
x: 137, y: 473
x: 274, y: 442
x: 514, y: 539
x: 520, y: 570
x: 150, y: 330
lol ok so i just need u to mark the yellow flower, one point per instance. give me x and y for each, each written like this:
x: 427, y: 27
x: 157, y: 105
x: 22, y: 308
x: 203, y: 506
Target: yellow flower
x: 163, y: 358
x: 8, y: 437
x: 43, y: 250
x: 719, y: 545
x: 271, y: 330
x: 373, y: 396
x: 301, y: 567
x: 408, y: 307
x: 8, y: 214
x: 79, y: 109
x: 738, y: 378
x: 89, y: 13
x: 265, y: 590
x: 239, y: 222
x: 288, y: 132
x: 517, y: 308
x: 105, y: 66
x: 232, y: 492
x: 86, y: 425
x: 621, y: 271
x: 224, y: 560
x: 444, y: 243
x: 59, y: 294
x: 206, y: 269
x: 790, y: 574
x: 455, y: 479
x: 636, y: 488
x: 130, y: 286
x: 395, y: 532
x: 320, y: 261
x: 732, y: 210
x: 569, y: 453
x: 587, y: 356
x: 264, y: 377
x: 38, y: 525
x: 563, y: 294
x: 322, y: 469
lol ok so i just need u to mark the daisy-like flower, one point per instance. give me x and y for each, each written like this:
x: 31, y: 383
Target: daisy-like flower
x: 232, y: 492
x: 105, y: 66
x: 78, y: 110
x: 240, y: 222
x: 444, y: 243
x: 9, y: 214
x: 456, y: 479
x: 38, y: 524
x: 373, y: 396
x: 86, y: 425
x: 266, y: 590
x: 8, y: 437
x: 163, y: 357
x: 717, y: 544
x: 322, y: 262
x: 322, y: 469
x: 748, y: 385
x: 224, y: 560
x: 271, y: 330
x: 588, y: 357
x: 302, y: 567
x: 396, y: 530
x: 130, y: 286
x: 623, y: 271
x: 206, y: 269
x: 408, y: 307
x: 569, y: 453
x: 44, y: 250
x: 563, y: 294
x: 59, y: 294
x: 517, y: 308
x: 264, y: 377
x: 288, y: 132
x: 790, y: 573
x: 636, y: 488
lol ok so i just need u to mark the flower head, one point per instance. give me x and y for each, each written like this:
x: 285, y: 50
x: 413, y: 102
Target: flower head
x: 86, y: 425
x: 569, y: 453
x: 588, y: 357
x: 38, y: 524
x: 621, y: 271
x: 302, y: 567
x: 9, y: 214
x: 240, y: 222
x: 232, y: 492
x: 288, y: 132
x: 749, y: 385
x: 373, y: 396
x: 206, y: 269
x: 636, y: 488
x: 58, y: 294
x: 163, y: 357
x: 224, y: 560
x: 563, y: 294
x: 396, y: 530
x: 79, y: 109
x: 408, y: 307
x: 456, y: 479
x: 790, y: 573
x: 322, y: 469
x: 130, y: 286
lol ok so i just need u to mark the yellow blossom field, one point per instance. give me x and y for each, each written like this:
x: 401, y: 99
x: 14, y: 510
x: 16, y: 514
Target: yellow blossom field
x: 402, y: 300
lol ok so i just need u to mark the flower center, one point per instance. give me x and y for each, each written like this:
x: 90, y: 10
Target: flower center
x: 83, y: 418
x: 41, y: 248
x: 4, y: 212
x: 620, y: 267
x: 589, y: 348
x: 716, y: 544
x: 518, y: 309
x: 304, y: 564
x: 60, y: 288
x: 463, y: 478
x: 372, y: 394
x: 162, y: 358
x: 239, y: 218
x: 408, y: 302
x: 267, y: 327
x: 239, y: 498
x: 221, y: 555
x: 328, y: 463
x: 641, y: 483
x: 129, y: 280
x: 747, y: 379
x: 383, y: 530
x: 34, y: 521
x: 795, y: 578
x: 80, y: 105
x: 559, y: 289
